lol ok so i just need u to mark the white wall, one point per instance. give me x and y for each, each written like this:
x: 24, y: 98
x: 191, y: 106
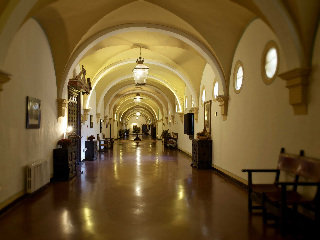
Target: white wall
x: 85, y: 127
x: 30, y: 63
x: 260, y: 119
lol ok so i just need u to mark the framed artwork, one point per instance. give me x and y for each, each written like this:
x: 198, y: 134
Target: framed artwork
x: 33, y: 112
x: 207, y: 116
x: 91, y: 121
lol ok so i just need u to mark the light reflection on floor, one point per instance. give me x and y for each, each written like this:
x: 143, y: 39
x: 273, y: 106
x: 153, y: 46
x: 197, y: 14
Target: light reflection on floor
x: 137, y: 191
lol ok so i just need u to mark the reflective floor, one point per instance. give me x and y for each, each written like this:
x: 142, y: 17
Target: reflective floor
x: 137, y: 192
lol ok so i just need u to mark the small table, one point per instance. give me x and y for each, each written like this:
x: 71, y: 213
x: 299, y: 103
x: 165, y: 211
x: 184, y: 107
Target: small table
x: 137, y: 137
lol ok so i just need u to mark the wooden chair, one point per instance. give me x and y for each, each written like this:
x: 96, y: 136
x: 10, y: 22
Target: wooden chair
x: 107, y: 144
x: 287, y: 164
x: 292, y: 205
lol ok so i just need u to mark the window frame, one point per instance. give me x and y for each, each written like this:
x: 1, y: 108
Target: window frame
x: 235, y: 73
x: 271, y: 44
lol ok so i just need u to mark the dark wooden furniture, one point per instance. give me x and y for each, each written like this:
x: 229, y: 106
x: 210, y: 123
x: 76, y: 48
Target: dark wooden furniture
x: 64, y: 163
x: 172, y: 142
x: 201, y: 153
x: 287, y: 164
x: 91, y: 152
x: 106, y: 143
x: 294, y: 205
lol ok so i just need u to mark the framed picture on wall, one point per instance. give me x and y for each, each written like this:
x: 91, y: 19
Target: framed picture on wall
x: 33, y: 112
x: 91, y: 121
x: 207, y: 116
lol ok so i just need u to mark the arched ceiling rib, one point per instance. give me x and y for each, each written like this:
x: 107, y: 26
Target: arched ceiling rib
x: 109, y: 90
x: 218, y: 24
x: 130, y: 108
x: 76, y: 31
x: 159, y: 91
x: 128, y: 98
x: 130, y: 94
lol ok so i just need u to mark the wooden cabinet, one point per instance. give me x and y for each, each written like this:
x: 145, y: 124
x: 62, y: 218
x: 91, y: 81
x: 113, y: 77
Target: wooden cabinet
x: 64, y: 163
x: 91, y: 152
x: 201, y: 153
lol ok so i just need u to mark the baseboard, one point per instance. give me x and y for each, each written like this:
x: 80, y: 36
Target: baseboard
x: 4, y: 206
x: 187, y: 153
x: 230, y: 176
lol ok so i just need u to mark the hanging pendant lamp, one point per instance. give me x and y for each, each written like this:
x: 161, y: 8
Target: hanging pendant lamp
x: 140, y: 72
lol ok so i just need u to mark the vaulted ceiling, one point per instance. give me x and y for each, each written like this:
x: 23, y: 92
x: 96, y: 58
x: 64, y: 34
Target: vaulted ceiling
x: 177, y: 40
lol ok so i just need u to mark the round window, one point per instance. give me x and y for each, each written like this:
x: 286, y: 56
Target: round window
x: 238, y: 76
x: 270, y: 62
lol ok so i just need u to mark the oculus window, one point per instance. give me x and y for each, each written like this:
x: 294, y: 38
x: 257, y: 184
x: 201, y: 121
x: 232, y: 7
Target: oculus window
x: 238, y: 75
x: 270, y: 62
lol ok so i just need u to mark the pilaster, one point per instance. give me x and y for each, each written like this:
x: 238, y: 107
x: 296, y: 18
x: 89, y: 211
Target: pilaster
x: 297, y: 83
x: 62, y: 105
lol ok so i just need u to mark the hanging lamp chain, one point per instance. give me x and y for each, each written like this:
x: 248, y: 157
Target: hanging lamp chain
x: 140, y: 60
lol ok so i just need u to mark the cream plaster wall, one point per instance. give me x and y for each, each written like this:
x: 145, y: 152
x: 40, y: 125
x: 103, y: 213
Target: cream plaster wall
x: 260, y: 119
x: 207, y: 79
x: 85, y: 127
x: 30, y: 63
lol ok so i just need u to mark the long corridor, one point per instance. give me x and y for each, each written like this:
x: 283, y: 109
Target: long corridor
x: 137, y: 192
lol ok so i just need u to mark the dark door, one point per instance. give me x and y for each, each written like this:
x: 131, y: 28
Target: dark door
x: 153, y: 132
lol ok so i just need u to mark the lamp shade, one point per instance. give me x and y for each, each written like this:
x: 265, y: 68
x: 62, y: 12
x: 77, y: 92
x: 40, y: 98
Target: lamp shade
x: 140, y: 72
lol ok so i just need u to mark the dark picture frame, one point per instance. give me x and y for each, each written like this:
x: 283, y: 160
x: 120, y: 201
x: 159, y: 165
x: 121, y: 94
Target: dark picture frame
x: 33, y: 116
x: 91, y: 121
x: 207, y: 116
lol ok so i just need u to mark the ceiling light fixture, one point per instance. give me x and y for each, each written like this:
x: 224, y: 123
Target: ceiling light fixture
x: 138, y: 114
x: 137, y: 98
x: 140, y: 72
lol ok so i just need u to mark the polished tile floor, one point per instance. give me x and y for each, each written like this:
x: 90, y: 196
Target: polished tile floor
x: 137, y: 192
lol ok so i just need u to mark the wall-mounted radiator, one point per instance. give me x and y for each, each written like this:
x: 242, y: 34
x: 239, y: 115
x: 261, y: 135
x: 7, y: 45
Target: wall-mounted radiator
x: 38, y: 175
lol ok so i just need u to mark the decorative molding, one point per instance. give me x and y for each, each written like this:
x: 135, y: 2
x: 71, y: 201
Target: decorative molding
x: 98, y: 117
x: 167, y: 119
x: 84, y: 116
x: 105, y: 119
x: 172, y: 118
x: 4, y: 77
x: 297, y: 83
x: 62, y: 107
x: 181, y: 114
x: 80, y: 83
x: 223, y: 103
x: 195, y: 111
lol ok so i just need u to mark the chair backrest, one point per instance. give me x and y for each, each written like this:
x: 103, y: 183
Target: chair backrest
x: 289, y: 162
x: 309, y: 168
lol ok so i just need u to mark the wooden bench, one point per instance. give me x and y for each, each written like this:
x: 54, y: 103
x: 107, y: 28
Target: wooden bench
x: 293, y: 205
x: 287, y: 165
